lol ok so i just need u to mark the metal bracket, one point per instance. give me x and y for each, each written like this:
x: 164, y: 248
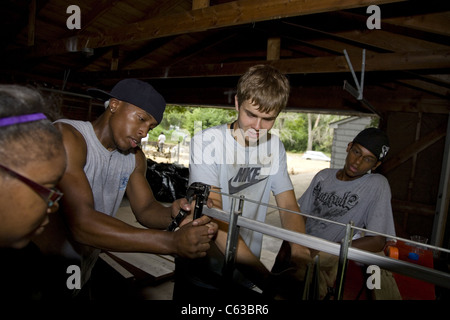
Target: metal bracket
x: 232, y: 238
x: 437, y: 277
x: 312, y: 276
x: 343, y: 259
x: 358, y: 93
x: 360, y: 87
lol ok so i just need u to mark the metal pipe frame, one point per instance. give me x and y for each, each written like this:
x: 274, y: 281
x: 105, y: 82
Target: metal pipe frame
x: 342, y: 267
x: 232, y: 238
x: 429, y: 246
x: 436, y: 277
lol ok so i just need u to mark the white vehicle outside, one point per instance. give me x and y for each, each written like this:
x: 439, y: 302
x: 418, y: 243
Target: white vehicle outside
x: 315, y: 155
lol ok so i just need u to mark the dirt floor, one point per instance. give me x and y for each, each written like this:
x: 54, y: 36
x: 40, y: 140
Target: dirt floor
x: 298, y: 165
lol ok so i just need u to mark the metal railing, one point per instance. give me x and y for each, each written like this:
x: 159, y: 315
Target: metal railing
x: 343, y: 250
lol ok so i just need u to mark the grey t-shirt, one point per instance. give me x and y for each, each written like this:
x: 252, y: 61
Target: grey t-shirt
x: 365, y: 201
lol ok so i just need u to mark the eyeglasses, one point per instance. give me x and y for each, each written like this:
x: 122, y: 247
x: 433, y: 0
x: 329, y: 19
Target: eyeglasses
x: 51, y: 196
x: 358, y: 153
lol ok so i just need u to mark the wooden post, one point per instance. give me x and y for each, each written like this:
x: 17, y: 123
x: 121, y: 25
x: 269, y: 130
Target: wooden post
x: 115, y: 59
x: 273, y: 49
x: 31, y: 22
x: 200, y: 4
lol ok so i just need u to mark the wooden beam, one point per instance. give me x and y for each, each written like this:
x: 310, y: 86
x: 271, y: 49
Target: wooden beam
x: 131, y: 57
x: 334, y: 64
x: 414, y: 102
x: 427, y: 86
x: 413, y: 149
x: 200, y: 4
x: 398, y: 41
x: 222, y: 15
x: 91, y: 16
x: 431, y: 22
x: 304, y: 97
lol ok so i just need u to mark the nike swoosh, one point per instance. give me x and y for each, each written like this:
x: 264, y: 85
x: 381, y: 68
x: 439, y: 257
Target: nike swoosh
x: 232, y: 189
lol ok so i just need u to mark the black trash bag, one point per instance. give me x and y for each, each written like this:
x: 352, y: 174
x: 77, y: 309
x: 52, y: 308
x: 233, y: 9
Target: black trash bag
x: 168, y: 181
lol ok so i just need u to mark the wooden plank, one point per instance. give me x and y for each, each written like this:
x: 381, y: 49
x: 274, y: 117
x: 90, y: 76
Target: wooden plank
x: 438, y: 22
x: 222, y: 15
x: 116, y: 266
x: 377, y: 38
x: 155, y: 265
x: 427, y: 86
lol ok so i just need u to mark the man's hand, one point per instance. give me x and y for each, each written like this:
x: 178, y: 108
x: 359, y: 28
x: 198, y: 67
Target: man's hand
x: 179, y: 204
x: 208, y: 222
x: 184, y: 204
x: 192, y: 240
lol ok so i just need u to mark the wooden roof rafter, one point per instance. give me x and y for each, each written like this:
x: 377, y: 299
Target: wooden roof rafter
x: 213, y: 17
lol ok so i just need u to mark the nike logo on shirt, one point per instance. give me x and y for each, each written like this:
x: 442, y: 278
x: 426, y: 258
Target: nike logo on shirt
x: 244, y: 178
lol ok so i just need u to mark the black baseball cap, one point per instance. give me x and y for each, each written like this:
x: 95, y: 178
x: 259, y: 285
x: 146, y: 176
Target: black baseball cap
x: 375, y: 140
x: 137, y: 92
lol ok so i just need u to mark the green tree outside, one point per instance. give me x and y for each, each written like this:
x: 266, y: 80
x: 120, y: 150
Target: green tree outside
x: 292, y: 127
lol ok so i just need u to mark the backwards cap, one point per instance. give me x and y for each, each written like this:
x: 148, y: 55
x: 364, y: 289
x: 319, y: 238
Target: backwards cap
x: 137, y: 92
x: 374, y: 140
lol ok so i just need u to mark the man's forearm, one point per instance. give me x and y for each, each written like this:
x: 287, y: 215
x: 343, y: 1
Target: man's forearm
x: 156, y: 216
x: 370, y: 243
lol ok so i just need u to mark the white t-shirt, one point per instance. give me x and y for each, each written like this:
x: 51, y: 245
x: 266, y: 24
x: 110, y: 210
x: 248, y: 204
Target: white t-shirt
x: 217, y: 159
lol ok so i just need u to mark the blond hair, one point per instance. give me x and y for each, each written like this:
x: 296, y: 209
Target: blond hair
x: 264, y: 86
